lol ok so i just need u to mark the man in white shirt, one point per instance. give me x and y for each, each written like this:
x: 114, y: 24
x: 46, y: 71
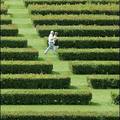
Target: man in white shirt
x: 50, y: 42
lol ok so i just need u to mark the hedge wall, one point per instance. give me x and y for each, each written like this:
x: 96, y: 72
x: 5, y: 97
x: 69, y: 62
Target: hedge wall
x: 16, y: 96
x: 95, y: 67
x: 19, y: 54
x: 104, y: 81
x: 109, y: 9
x: 82, y: 30
x: 75, y: 19
x: 5, y: 19
x: 88, y: 54
x: 13, y: 42
x: 89, y: 42
x: 8, y: 30
x: 65, y: 115
x: 34, y: 81
x: 116, y: 97
x: 17, y: 67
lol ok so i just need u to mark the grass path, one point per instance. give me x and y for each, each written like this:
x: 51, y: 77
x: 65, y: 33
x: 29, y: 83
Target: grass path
x: 21, y: 17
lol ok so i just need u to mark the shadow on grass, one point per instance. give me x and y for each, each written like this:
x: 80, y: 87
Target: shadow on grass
x: 94, y: 103
x: 73, y: 87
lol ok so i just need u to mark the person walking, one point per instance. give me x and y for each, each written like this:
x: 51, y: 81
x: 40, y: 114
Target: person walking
x: 50, y: 42
x: 56, y: 42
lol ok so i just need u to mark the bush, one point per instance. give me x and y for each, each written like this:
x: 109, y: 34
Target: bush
x: 34, y: 81
x: 13, y: 42
x: 62, y: 115
x: 110, y: 9
x: 17, y: 67
x: 67, y: 96
x: 88, y: 54
x: 104, y: 81
x: 3, y: 9
x: 116, y: 97
x: 89, y: 42
x: 82, y: 30
x: 5, y: 19
x: 8, y: 30
x: 95, y: 67
x: 75, y: 19
x: 19, y: 54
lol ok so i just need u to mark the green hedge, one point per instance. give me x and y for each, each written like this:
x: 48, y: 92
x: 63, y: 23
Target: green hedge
x: 110, y: 9
x: 95, y: 67
x: 116, y: 97
x: 50, y: 2
x: 17, y: 67
x: 16, y: 96
x: 75, y: 19
x: 5, y: 19
x: 81, y: 30
x: 62, y: 115
x: 3, y: 9
x: 13, y: 42
x: 104, y: 81
x: 88, y: 54
x: 89, y: 42
x: 19, y: 54
x: 8, y: 30
x: 34, y: 81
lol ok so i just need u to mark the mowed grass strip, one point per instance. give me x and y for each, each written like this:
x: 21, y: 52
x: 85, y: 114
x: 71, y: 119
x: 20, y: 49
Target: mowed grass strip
x: 84, y: 19
x: 19, y: 54
x: 5, y: 19
x: 95, y: 67
x: 88, y: 42
x: 34, y: 81
x: 79, y: 30
x: 88, y: 54
x: 48, y: 96
x: 9, y: 30
x: 20, y: 67
x: 13, y: 42
x: 104, y: 81
x: 109, y: 9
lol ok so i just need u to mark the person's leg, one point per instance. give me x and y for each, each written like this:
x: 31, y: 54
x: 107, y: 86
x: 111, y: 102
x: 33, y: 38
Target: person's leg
x: 48, y: 48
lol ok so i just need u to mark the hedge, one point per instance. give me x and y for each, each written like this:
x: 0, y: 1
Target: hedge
x: 116, y: 97
x: 89, y: 42
x: 75, y: 19
x: 3, y: 9
x: 95, y: 67
x: 62, y: 115
x: 104, y: 81
x: 88, y: 54
x: 19, y: 54
x: 34, y: 81
x: 8, y: 30
x: 44, y: 97
x: 50, y: 2
x: 19, y: 67
x: 13, y: 42
x: 109, y: 9
x: 5, y: 19
x: 79, y: 30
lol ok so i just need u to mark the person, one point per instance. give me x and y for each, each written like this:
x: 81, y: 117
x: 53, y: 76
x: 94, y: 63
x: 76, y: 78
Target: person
x: 50, y: 42
x: 56, y: 42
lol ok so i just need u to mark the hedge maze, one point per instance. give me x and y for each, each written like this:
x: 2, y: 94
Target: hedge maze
x: 88, y: 42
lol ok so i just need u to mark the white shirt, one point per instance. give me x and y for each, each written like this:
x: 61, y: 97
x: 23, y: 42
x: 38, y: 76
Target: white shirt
x: 51, y: 38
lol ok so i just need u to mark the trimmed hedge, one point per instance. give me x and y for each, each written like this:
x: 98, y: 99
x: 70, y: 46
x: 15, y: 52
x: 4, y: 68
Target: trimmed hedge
x: 95, y: 67
x: 82, y: 30
x: 104, y: 81
x: 62, y: 115
x: 75, y: 19
x: 19, y: 54
x: 5, y: 19
x: 3, y: 9
x: 19, y: 67
x: 89, y: 42
x: 44, y: 97
x: 109, y: 9
x: 34, y: 81
x: 8, y: 30
x: 116, y: 97
x: 88, y: 54
x: 13, y: 42
x: 50, y: 2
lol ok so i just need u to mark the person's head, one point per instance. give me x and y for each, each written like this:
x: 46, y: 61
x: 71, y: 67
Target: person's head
x: 56, y: 33
x: 52, y: 32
